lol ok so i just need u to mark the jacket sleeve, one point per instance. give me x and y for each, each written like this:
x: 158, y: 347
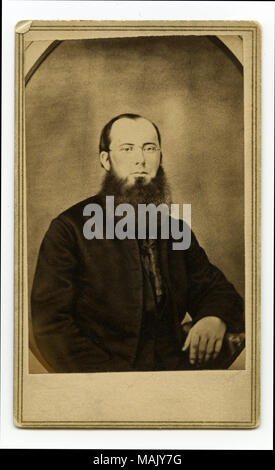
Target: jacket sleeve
x: 60, y: 341
x: 210, y: 293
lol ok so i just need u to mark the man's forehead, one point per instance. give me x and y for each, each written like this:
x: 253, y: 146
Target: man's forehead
x: 139, y: 128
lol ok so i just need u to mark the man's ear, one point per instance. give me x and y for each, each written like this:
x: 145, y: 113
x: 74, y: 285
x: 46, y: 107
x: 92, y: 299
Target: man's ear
x: 105, y: 160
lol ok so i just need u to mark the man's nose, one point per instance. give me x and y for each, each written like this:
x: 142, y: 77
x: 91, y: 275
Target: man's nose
x: 139, y: 156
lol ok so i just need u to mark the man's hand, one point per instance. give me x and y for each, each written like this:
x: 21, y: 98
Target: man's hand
x: 205, y: 339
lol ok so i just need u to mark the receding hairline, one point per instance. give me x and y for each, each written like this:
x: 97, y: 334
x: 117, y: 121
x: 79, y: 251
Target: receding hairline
x: 141, y: 118
x: 105, y: 137
x: 136, y: 118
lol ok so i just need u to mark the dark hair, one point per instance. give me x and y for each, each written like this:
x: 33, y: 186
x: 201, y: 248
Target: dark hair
x: 105, y: 133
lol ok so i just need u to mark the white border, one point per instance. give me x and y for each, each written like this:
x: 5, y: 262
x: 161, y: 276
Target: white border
x: 12, y: 437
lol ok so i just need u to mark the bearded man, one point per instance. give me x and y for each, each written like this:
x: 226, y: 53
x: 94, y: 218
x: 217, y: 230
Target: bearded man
x: 106, y: 304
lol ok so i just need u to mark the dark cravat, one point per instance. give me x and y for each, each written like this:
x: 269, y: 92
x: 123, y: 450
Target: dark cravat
x: 151, y: 264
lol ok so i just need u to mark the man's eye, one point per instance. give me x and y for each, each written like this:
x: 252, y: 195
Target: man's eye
x: 126, y: 148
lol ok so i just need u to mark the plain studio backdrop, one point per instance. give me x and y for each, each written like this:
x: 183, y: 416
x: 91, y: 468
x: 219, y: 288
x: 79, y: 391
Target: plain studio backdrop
x: 190, y: 86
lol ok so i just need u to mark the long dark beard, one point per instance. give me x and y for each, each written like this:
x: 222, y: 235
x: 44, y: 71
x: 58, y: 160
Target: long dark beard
x: 156, y: 192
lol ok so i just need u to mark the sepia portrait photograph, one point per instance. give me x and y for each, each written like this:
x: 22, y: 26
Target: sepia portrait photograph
x: 137, y: 224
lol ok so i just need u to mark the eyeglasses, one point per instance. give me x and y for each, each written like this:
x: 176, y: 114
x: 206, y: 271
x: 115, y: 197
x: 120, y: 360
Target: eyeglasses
x: 147, y: 149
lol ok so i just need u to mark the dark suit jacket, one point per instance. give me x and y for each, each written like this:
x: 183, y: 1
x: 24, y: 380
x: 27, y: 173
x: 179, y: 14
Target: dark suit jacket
x: 87, y: 295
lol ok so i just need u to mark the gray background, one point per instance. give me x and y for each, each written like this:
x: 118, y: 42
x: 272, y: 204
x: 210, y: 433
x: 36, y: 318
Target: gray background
x: 188, y: 85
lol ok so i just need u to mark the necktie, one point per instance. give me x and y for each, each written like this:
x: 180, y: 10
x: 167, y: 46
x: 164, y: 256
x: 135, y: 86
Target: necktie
x: 151, y: 262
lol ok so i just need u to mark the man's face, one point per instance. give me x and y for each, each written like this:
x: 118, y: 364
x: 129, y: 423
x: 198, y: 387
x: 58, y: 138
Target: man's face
x: 134, y: 152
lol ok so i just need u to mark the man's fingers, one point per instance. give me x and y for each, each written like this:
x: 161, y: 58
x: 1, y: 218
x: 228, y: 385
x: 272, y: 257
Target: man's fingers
x: 217, y: 349
x: 187, y: 342
x: 209, y: 349
x: 202, y: 348
x: 203, y: 343
x: 194, y: 344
